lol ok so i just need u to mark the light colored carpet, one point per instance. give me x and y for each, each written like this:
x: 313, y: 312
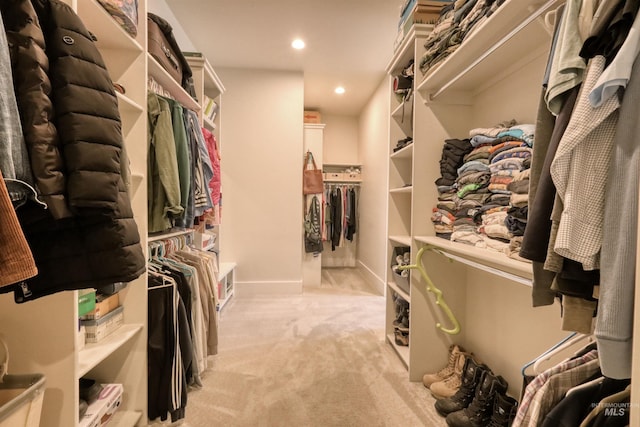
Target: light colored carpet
x: 317, y: 359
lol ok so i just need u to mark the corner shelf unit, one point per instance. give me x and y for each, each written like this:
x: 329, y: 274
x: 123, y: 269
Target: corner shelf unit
x: 403, y: 173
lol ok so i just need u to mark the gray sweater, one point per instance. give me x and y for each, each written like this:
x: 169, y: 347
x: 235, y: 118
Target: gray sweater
x: 614, y: 326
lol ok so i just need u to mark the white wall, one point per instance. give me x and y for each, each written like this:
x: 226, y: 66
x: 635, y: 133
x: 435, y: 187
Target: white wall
x: 261, y: 145
x: 340, y: 139
x: 373, y: 146
x: 162, y: 9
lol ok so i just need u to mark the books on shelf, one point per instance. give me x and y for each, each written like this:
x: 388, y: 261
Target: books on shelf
x: 209, y: 108
x: 97, y: 330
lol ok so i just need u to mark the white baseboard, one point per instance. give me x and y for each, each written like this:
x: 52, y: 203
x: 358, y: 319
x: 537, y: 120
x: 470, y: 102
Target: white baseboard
x: 372, y: 277
x: 249, y: 289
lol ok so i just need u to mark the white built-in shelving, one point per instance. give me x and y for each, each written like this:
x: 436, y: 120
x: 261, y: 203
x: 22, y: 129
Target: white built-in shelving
x: 487, y: 291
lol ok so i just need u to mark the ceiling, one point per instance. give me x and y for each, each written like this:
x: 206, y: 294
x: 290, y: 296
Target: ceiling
x: 348, y: 42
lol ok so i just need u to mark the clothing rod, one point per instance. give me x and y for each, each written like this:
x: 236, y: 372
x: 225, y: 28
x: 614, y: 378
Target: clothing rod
x: 356, y: 184
x: 168, y: 285
x: 170, y: 234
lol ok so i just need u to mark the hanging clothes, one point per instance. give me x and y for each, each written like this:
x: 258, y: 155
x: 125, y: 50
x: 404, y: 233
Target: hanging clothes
x: 87, y: 236
x: 312, y: 224
x: 182, y: 324
x: 183, y: 158
x: 16, y: 260
x: 216, y: 180
x: 163, y: 177
x: 336, y: 218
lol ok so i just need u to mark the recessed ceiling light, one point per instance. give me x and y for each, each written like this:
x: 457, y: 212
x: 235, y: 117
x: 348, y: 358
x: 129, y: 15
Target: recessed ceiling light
x: 339, y: 90
x: 297, y: 44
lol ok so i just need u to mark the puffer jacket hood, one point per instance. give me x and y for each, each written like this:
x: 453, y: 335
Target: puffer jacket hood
x: 98, y: 244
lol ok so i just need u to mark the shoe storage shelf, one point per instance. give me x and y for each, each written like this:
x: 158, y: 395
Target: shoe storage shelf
x: 404, y: 177
x: 489, y: 293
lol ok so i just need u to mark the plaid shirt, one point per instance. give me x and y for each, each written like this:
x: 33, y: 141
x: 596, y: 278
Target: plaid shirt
x: 579, y: 171
x: 554, y: 390
x: 540, y: 380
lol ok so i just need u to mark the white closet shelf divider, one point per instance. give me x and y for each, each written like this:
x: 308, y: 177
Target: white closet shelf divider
x: 402, y: 240
x: 225, y: 268
x: 209, y: 124
x: 404, y: 53
x: 109, y: 33
x: 403, y: 351
x: 92, y: 354
x: 402, y: 190
x: 483, y: 259
x: 126, y: 104
x: 504, y: 48
x: 169, y: 84
x: 396, y: 289
x: 403, y: 153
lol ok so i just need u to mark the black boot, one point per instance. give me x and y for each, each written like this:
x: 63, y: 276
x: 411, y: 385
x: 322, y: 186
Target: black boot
x: 478, y: 413
x: 472, y: 373
x: 505, y: 409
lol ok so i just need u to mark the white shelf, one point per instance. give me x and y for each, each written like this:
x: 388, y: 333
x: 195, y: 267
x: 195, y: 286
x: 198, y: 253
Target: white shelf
x: 484, y: 259
x: 169, y: 84
x: 224, y: 302
x: 343, y: 181
x: 208, y: 123
x: 404, y: 153
x: 212, y: 84
x: 341, y: 165
x: 171, y: 233
x: 402, y: 190
x: 109, y: 33
x: 403, y: 240
x: 510, y: 37
x: 405, y: 52
x: 128, y: 105
x: 405, y: 296
x: 92, y: 354
x: 397, y: 112
x: 125, y: 419
x: 225, y: 268
x: 403, y: 351
x: 404, y: 122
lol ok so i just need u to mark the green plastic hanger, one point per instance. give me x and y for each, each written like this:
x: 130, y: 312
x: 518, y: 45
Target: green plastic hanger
x: 436, y: 291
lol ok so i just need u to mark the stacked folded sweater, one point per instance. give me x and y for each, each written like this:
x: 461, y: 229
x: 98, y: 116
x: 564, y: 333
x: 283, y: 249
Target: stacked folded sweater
x: 488, y: 199
x: 457, y: 21
x: 444, y: 214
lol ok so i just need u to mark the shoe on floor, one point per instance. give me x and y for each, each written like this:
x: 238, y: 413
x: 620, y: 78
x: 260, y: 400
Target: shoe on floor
x: 471, y: 376
x: 454, y: 354
x: 479, y: 411
x: 450, y: 385
x: 505, y: 409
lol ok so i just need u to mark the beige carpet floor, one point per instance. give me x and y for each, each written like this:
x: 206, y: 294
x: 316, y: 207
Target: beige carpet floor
x: 317, y: 359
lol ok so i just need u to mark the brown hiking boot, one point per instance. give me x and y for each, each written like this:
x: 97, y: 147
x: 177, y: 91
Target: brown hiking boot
x: 447, y: 371
x: 450, y: 385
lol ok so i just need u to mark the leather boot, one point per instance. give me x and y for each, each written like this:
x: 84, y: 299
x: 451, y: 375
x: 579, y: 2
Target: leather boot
x: 505, y: 409
x: 450, y: 385
x: 471, y: 376
x: 478, y: 413
x: 454, y: 354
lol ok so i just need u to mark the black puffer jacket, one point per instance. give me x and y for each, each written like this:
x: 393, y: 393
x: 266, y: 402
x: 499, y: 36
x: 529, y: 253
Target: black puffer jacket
x: 33, y: 91
x: 99, y: 243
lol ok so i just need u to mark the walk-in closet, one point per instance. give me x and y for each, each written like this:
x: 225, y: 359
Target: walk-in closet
x: 344, y: 213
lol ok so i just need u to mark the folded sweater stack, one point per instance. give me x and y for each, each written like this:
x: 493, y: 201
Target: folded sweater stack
x: 486, y: 206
